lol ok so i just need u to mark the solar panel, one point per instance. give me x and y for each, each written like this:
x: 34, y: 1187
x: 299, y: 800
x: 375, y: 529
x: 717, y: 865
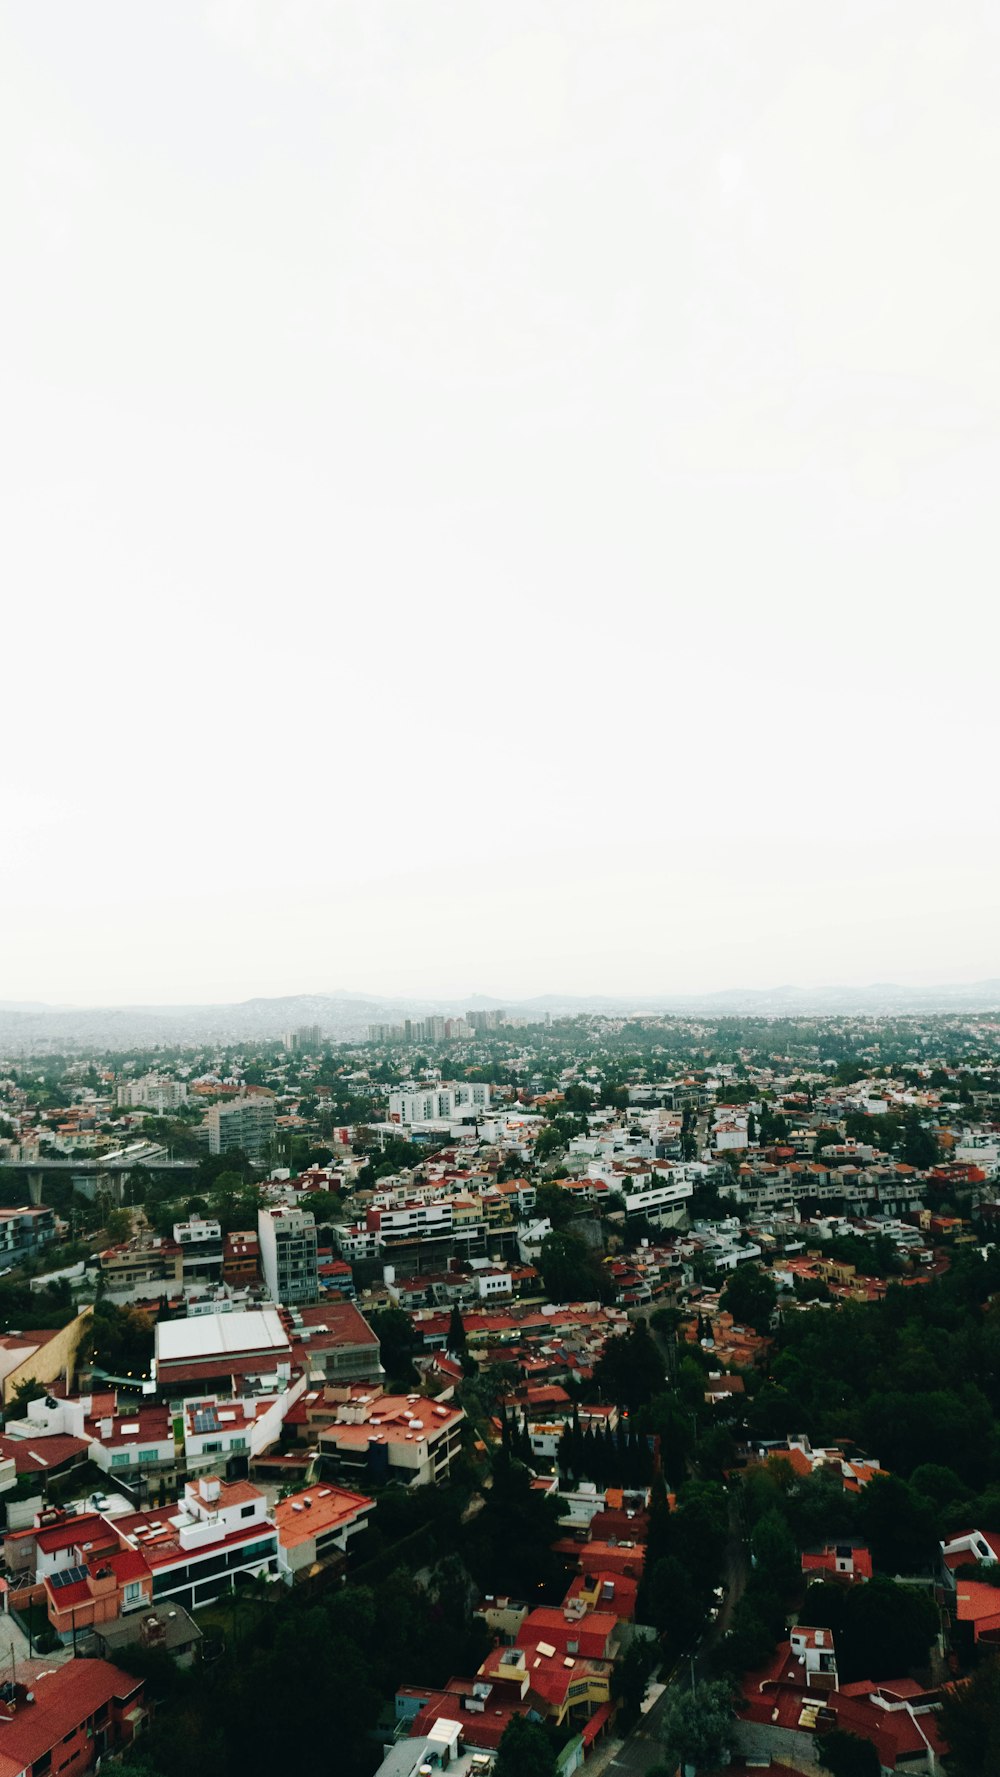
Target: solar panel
x: 68, y: 1577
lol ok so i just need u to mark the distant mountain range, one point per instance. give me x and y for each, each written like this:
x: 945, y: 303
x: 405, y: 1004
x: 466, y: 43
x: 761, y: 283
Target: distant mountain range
x: 346, y: 1015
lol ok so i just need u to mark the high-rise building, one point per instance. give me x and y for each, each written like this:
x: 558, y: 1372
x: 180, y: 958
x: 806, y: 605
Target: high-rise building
x: 288, y: 1254
x: 486, y: 1020
x: 246, y: 1123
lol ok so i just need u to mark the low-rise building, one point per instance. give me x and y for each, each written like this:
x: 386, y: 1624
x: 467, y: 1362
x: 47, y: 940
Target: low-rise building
x: 378, y: 1437
x: 66, y: 1718
x: 316, y: 1528
x: 197, y: 1549
x: 219, y: 1353
x: 334, y: 1343
x: 102, y: 1586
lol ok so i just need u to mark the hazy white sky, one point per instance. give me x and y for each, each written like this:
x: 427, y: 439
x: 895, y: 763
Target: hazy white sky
x: 497, y: 497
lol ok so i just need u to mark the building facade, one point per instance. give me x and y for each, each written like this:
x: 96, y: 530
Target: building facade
x: 288, y: 1255
x: 242, y: 1123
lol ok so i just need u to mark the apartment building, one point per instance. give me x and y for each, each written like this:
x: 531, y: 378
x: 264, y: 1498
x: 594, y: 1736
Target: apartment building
x: 200, y: 1241
x: 288, y: 1257
x: 142, y: 1267
x: 658, y: 1197
x: 444, y: 1102
x: 25, y: 1231
x: 153, y: 1092
x: 240, y: 1257
x: 245, y: 1123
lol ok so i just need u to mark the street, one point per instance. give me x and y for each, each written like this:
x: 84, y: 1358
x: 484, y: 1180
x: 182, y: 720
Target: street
x: 642, y: 1749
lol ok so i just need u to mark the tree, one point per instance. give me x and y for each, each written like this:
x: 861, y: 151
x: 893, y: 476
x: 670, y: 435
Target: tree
x: 919, y: 1146
x: 749, y: 1297
x: 118, y: 1226
x: 970, y: 1722
x: 882, y: 1630
x: 749, y: 1641
x: 899, y: 1524
x: 630, y: 1369
x: 700, y: 1527
x: 847, y: 1755
x: 826, y: 1138
x: 668, y: 1602
x: 888, y: 1628
x: 524, y: 1751
x: 456, y: 1332
x: 24, y: 1392
x: 775, y: 1553
x: 697, y: 1724
x: 507, y: 1546
x: 630, y: 1679
x: 548, y: 1141
x: 557, y: 1205
x: 394, y: 1330
x: 570, y: 1270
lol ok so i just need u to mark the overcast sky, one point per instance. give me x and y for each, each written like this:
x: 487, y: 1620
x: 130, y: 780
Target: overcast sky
x: 497, y: 496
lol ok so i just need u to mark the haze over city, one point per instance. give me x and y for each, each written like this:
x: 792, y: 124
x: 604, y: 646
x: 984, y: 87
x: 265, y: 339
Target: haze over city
x: 497, y: 498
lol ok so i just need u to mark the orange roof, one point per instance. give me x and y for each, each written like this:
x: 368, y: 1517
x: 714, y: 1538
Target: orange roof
x: 316, y: 1510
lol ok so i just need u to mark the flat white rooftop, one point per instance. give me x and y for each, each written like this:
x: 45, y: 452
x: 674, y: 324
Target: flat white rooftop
x: 217, y: 1335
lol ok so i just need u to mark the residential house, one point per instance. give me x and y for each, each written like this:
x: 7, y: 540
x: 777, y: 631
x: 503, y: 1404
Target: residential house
x: 316, y: 1528
x: 198, y: 1548
x: 66, y: 1718
x: 378, y: 1437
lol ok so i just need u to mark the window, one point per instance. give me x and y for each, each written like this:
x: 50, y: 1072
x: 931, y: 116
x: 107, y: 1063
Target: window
x: 247, y: 1511
x: 251, y: 1552
x: 121, y: 1459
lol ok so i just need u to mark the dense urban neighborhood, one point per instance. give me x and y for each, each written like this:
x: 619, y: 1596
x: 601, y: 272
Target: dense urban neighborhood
x: 511, y: 1396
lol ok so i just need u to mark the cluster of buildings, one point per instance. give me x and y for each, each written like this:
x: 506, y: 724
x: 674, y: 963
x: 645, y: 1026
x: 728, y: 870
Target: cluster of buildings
x: 548, y: 1664
x: 437, y: 1029
x: 236, y: 1405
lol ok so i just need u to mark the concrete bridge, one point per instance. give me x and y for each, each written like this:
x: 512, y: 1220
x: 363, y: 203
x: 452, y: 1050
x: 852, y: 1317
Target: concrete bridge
x: 106, y: 1171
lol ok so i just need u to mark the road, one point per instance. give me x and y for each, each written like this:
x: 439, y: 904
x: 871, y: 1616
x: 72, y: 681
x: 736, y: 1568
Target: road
x: 643, y: 1747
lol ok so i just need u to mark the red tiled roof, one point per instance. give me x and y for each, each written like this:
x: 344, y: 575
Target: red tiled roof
x: 64, y: 1698
x: 42, y: 1453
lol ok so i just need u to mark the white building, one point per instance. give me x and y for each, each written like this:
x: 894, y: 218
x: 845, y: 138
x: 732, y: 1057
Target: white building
x: 154, y: 1092
x: 440, y: 1102
x: 658, y: 1201
x: 288, y: 1257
